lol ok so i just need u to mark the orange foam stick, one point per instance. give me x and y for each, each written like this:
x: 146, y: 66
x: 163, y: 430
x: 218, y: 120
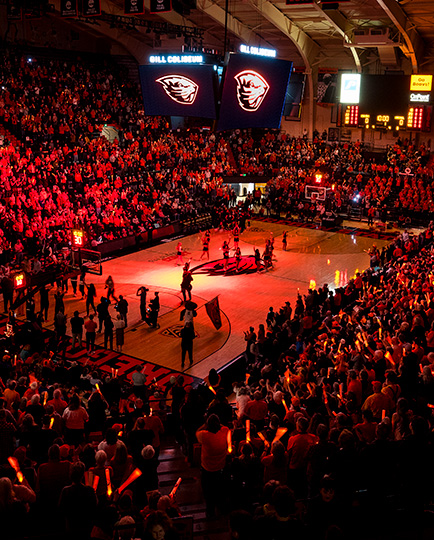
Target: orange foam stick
x: 263, y: 439
x: 212, y: 389
x: 248, y: 430
x: 383, y: 414
x: 279, y: 434
x: 13, y: 462
x: 229, y: 442
x: 109, y: 483
x: 133, y: 476
x: 285, y: 405
x: 389, y: 357
x: 175, y: 488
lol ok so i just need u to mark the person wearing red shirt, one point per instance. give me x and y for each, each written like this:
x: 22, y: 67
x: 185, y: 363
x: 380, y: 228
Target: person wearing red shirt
x: 256, y: 410
x: 298, y: 450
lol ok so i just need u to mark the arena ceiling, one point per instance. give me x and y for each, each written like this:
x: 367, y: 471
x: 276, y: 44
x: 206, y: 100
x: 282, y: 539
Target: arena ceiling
x: 364, y: 35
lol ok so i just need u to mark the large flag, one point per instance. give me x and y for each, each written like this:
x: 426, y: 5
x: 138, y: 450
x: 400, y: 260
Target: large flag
x: 213, y: 309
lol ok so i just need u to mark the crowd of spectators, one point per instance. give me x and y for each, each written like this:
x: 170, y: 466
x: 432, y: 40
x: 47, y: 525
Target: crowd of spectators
x: 333, y: 421
x: 62, y: 174
x: 332, y: 425
x: 399, y: 186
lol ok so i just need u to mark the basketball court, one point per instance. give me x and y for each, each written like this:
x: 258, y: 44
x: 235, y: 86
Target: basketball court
x: 313, y: 257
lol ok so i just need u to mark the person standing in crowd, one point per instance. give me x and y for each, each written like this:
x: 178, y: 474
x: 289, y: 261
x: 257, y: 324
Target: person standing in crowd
x: 284, y: 240
x: 205, y: 246
x: 141, y: 291
x: 45, y: 300
x: 186, y: 285
x: 214, y: 440
x: 58, y: 301
x: 179, y: 258
x: 187, y: 337
x: 78, y: 500
x: 225, y: 249
x: 236, y: 235
x: 82, y: 283
x: 74, y: 280
x: 90, y: 327
x: 90, y: 298
x: 77, y: 324
x: 103, y: 312
x: 108, y: 332
x: 122, y: 308
x: 110, y: 286
x: 237, y: 258
x: 154, y: 308
x: 119, y: 325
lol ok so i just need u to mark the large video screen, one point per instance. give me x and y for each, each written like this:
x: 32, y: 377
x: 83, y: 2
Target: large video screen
x: 384, y: 94
x: 350, y: 88
x: 254, y: 92
x: 178, y: 90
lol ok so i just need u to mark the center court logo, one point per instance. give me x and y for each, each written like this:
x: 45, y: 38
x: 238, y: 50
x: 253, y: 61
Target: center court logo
x: 251, y: 90
x: 179, y: 88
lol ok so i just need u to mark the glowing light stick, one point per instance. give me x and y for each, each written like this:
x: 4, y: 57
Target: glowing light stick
x: 175, y: 488
x: 247, y: 377
x: 45, y: 398
x: 383, y: 414
x: 95, y: 483
x: 13, y: 462
x: 51, y: 422
x: 109, y: 483
x: 212, y: 389
x: 285, y: 405
x: 279, y: 434
x: 133, y: 476
x: 389, y: 357
x: 229, y: 442
x: 263, y: 439
x: 248, y: 430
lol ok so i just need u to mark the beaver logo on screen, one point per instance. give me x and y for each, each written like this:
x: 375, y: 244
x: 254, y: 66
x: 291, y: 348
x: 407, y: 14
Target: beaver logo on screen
x: 251, y: 90
x: 179, y: 88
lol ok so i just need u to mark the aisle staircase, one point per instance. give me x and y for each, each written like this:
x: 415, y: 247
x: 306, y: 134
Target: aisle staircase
x: 189, y: 495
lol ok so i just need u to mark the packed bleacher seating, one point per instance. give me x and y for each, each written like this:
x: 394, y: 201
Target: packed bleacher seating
x: 334, y: 418
x: 333, y: 421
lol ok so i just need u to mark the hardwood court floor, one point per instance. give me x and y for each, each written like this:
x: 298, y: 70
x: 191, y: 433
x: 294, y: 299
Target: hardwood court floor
x: 312, y: 256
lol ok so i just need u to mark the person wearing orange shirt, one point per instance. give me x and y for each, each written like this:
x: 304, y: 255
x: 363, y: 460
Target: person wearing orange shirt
x: 214, y: 440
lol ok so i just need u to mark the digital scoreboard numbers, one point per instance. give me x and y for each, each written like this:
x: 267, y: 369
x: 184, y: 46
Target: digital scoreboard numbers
x: 386, y: 102
x: 351, y: 116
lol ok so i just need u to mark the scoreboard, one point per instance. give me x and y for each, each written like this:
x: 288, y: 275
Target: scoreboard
x: 387, y: 102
